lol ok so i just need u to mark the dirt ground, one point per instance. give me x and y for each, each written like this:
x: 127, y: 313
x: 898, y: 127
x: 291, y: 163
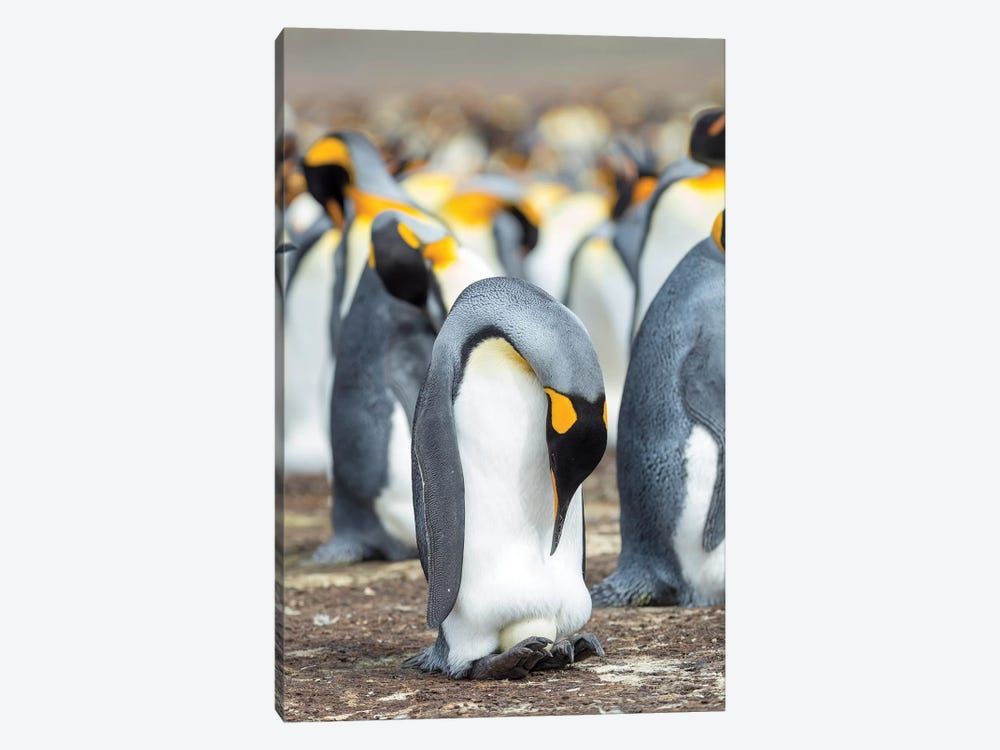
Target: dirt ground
x: 346, y: 631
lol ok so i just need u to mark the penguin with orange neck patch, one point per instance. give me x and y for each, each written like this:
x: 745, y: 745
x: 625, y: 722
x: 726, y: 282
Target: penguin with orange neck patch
x: 689, y: 196
x: 509, y: 422
x: 384, y: 351
x: 345, y: 175
x: 490, y: 216
x: 672, y: 443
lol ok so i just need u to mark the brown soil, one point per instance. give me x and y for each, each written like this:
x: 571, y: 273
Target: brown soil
x: 347, y: 630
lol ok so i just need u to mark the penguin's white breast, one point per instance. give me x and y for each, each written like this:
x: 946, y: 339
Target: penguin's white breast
x: 307, y: 362
x: 603, y: 297
x: 302, y: 212
x: 479, y: 239
x: 508, y: 574
x: 454, y: 277
x: 564, y: 226
x: 705, y: 572
x: 359, y: 239
x: 394, y: 505
x: 682, y: 218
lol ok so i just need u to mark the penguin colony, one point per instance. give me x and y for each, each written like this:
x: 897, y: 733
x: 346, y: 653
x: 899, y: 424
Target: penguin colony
x: 461, y: 345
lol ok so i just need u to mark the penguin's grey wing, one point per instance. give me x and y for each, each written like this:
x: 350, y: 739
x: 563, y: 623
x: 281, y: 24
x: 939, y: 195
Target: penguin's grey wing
x: 627, y: 238
x: 438, y: 491
x: 339, y: 281
x: 703, y: 384
x: 408, y: 354
x: 285, y: 258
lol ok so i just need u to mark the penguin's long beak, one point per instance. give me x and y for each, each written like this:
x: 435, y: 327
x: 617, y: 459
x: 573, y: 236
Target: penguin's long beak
x: 563, y: 490
x: 577, y: 437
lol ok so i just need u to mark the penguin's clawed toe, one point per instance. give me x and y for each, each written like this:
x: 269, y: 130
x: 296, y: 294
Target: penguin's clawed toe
x: 586, y: 645
x: 571, y: 650
x: 561, y: 655
x: 513, y: 664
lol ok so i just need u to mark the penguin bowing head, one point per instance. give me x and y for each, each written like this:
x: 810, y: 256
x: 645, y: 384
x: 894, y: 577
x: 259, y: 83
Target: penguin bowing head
x: 510, y: 420
x: 345, y: 165
x: 416, y: 258
x: 576, y: 433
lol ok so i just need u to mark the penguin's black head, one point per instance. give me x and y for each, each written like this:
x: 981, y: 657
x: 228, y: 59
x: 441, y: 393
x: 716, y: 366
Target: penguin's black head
x: 528, y: 221
x: 397, y: 258
x: 329, y: 170
x: 708, y: 137
x: 629, y: 171
x: 577, y: 435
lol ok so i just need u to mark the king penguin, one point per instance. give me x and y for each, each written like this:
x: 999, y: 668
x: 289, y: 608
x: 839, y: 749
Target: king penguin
x: 385, y: 347
x: 490, y: 216
x: 299, y: 222
x: 345, y: 175
x: 672, y: 444
x: 509, y: 422
x: 303, y: 224
x: 602, y: 274
x: 689, y: 196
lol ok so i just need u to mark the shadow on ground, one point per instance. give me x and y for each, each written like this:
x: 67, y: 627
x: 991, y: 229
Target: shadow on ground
x: 347, y: 630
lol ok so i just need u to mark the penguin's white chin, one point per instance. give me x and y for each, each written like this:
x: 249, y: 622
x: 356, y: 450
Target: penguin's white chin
x: 515, y: 632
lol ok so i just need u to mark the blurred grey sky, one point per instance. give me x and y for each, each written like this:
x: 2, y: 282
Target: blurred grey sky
x: 332, y: 64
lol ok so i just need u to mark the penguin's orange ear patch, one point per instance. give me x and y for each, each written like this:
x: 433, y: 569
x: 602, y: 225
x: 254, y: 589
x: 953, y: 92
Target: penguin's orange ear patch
x: 328, y: 152
x: 442, y: 253
x: 563, y: 413
x: 644, y: 187
x: 719, y: 231
x: 408, y: 236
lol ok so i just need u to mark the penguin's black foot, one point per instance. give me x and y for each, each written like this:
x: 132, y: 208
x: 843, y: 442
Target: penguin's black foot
x: 571, y: 650
x: 340, y: 550
x: 561, y: 655
x: 631, y: 589
x: 611, y: 593
x: 586, y: 645
x: 513, y: 664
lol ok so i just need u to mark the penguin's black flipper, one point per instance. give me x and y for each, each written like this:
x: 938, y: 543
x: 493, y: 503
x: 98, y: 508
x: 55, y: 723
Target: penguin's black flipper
x: 438, y: 491
x: 627, y: 239
x: 507, y: 234
x: 339, y: 283
x: 703, y: 377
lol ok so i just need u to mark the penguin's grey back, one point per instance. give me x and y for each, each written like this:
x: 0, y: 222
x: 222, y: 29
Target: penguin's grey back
x: 385, y: 346
x: 542, y: 330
